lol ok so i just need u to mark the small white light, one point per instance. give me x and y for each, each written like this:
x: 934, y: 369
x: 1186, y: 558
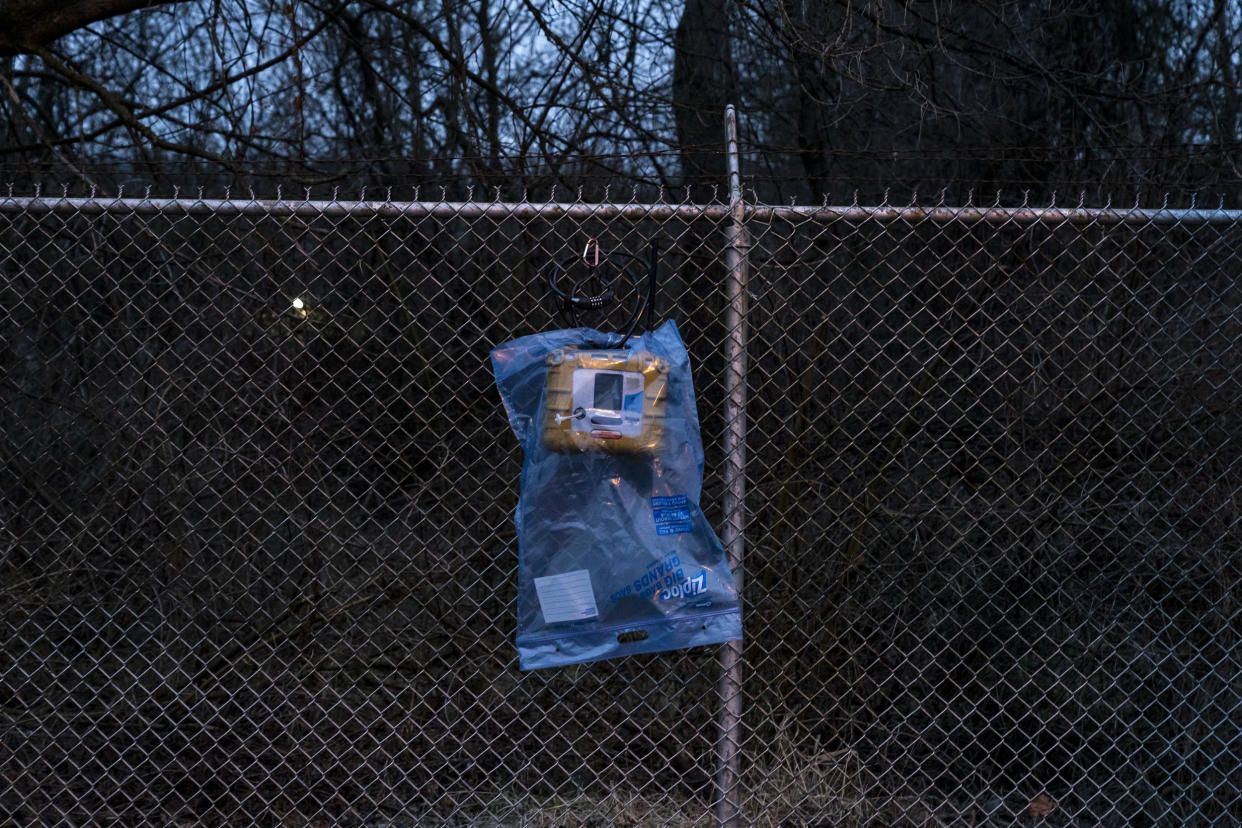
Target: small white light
x: 298, y: 304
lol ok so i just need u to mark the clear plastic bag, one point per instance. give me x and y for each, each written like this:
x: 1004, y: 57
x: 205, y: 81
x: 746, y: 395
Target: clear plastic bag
x: 614, y: 554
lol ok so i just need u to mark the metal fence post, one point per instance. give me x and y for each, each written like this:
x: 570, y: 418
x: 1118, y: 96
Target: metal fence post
x: 728, y: 782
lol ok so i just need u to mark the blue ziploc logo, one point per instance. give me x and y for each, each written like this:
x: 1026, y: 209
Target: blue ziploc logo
x: 671, y: 514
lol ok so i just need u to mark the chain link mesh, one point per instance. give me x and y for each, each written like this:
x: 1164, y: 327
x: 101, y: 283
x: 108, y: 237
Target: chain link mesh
x: 992, y: 557
x: 257, y: 562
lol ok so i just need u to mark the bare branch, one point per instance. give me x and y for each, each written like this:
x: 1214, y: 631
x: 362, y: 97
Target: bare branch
x: 26, y: 25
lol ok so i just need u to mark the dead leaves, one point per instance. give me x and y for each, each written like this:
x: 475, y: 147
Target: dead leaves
x: 1042, y: 805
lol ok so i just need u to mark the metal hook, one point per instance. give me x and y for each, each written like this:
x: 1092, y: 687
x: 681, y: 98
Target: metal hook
x: 587, y: 249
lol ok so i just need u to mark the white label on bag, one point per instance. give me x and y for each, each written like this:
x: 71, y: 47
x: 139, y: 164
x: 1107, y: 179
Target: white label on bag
x: 566, y: 597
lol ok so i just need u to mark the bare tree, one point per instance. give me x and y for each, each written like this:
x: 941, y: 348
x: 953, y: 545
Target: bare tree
x: 421, y: 92
x: 1131, y: 95
x: 1010, y: 96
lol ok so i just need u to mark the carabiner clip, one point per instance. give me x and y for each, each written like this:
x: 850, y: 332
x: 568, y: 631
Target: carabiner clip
x: 587, y: 250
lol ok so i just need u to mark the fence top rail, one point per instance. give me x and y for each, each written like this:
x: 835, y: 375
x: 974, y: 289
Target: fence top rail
x: 998, y: 215
x: 95, y: 205
x: 338, y: 208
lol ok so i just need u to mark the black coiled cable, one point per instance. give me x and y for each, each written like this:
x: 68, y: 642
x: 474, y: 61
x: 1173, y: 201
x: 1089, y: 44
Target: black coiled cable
x: 595, y: 289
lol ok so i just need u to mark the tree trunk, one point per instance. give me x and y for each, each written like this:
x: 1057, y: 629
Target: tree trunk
x: 703, y: 83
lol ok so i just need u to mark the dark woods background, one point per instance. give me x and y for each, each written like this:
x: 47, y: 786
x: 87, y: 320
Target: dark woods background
x: 1120, y: 98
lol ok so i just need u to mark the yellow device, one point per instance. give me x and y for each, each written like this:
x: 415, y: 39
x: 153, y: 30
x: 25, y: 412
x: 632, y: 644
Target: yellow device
x: 604, y: 400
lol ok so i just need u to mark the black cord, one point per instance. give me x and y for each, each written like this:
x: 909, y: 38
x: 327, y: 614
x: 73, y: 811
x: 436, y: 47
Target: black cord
x: 653, y: 265
x: 594, y: 290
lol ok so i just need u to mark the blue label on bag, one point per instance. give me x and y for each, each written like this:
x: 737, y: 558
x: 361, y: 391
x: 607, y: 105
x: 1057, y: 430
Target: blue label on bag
x: 671, y: 514
x: 674, y: 528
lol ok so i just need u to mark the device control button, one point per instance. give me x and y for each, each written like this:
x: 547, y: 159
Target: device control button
x: 599, y: 434
x: 605, y: 421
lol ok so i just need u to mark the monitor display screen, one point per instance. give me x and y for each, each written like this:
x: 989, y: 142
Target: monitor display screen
x: 608, y: 391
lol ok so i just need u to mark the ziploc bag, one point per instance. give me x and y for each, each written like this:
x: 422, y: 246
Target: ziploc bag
x: 614, y: 554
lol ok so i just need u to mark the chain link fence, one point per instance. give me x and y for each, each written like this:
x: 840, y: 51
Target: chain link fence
x: 994, y: 539
x: 257, y: 563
